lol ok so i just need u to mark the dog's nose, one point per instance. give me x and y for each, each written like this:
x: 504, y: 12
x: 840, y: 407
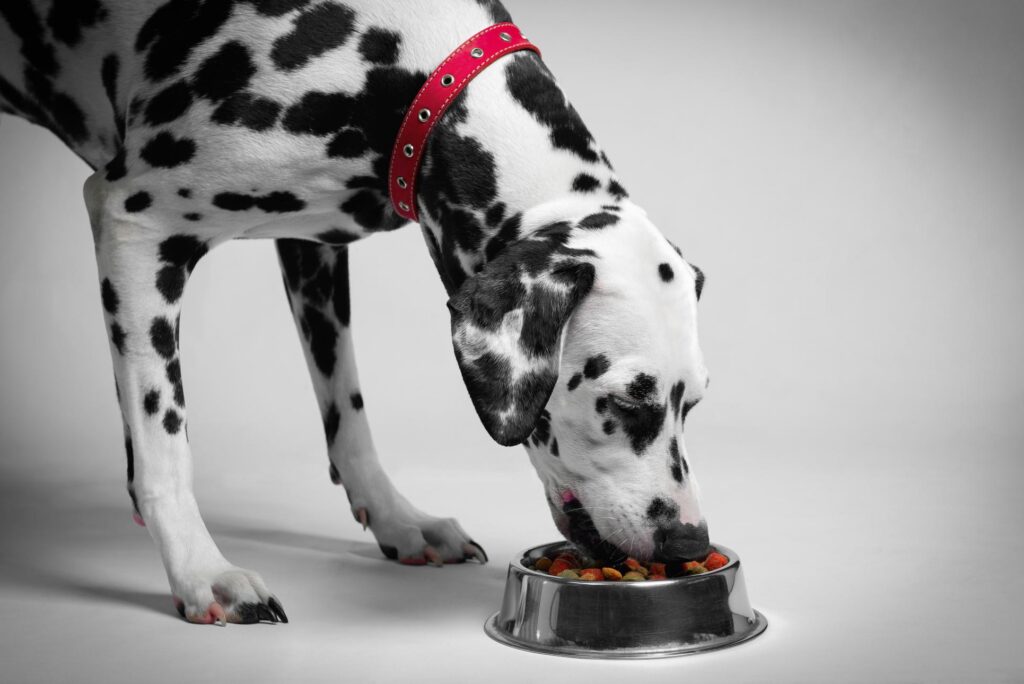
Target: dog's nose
x: 681, y: 542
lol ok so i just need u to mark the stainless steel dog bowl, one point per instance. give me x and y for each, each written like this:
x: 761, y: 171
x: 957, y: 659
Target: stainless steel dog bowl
x: 652, y: 619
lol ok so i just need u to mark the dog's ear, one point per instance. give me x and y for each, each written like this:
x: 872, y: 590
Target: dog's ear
x: 507, y: 324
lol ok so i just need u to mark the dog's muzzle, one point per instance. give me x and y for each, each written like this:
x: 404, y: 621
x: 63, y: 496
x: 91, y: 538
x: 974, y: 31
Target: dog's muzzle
x: 681, y: 542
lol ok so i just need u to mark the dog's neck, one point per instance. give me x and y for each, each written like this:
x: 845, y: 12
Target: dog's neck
x: 509, y: 157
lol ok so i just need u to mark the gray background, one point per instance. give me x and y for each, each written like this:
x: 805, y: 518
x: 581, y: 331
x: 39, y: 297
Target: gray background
x: 851, y: 178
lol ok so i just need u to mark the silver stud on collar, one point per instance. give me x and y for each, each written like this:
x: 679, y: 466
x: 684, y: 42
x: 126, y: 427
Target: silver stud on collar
x: 477, y: 52
x: 423, y: 115
x: 504, y: 35
x: 447, y: 80
x: 401, y: 183
x: 403, y: 206
x: 408, y: 150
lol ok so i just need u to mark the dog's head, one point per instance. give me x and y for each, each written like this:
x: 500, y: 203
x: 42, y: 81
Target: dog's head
x: 579, y: 341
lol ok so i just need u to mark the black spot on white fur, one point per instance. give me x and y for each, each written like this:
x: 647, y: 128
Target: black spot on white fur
x: 140, y: 201
x: 534, y: 88
x: 250, y: 111
x: 164, y: 150
x: 174, y: 377
x: 600, y: 220
x: 168, y: 104
x: 117, y: 336
x: 151, y: 402
x: 180, y: 254
x: 224, y: 73
x: 316, y: 30
x: 584, y: 182
x: 666, y: 273
x: 677, y: 464
x: 172, y: 422
x: 596, y: 366
x: 109, y: 297
x: 174, y: 30
x: 279, y: 202
x: 332, y: 419
x: 161, y: 336
x: 676, y: 397
x: 642, y: 422
x: 380, y: 46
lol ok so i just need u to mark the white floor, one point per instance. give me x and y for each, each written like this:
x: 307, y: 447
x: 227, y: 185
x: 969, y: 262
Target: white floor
x: 907, y: 577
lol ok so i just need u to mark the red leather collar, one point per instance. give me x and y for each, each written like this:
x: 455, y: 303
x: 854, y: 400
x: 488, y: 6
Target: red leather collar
x: 433, y: 99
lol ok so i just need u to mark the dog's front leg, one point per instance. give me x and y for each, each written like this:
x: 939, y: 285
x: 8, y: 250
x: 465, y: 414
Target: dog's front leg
x: 316, y: 278
x: 143, y: 269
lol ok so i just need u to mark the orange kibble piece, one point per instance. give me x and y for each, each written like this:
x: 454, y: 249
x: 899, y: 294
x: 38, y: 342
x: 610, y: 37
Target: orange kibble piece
x: 657, y: 569
x: 558, y: 566
x: 693, y: 568
x: 592, y: 574
x: 543, y: 564
x: 715, y: 560
x: 652, y: 576
x: 570, y: 560
x: 611, y: 574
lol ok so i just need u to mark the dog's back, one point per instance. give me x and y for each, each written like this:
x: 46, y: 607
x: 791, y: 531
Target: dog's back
x: 104, y: 75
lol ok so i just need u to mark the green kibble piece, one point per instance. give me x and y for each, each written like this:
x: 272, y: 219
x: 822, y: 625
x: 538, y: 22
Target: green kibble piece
x: 633, y: 576
x: 569, y: 573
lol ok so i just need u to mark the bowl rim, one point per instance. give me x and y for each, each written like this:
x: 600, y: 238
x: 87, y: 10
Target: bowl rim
x: 517, y: 561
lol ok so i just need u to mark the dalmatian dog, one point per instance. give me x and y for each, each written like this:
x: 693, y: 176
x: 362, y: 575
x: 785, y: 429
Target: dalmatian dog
x: 573, y: 318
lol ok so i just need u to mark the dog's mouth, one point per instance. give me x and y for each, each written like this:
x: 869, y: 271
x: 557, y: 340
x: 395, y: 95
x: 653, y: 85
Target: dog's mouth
x: 578, y: 527
x: 582, y: 532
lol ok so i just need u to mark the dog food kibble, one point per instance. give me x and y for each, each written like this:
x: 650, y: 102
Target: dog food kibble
x: 570, y: 566
x: 611, y: 574
x: 715, y: 560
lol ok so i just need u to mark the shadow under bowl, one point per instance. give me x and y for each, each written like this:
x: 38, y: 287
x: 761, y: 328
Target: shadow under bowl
x: 651, y: 619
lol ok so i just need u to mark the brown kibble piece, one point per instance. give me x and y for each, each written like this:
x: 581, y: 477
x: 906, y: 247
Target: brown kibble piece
x: 611, y: 574
x: 542, y: 564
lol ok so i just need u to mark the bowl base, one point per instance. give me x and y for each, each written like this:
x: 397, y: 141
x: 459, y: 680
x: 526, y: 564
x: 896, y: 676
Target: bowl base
x: 756, y: 627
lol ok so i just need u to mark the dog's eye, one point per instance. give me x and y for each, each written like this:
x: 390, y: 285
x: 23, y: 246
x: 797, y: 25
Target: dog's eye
x: 624, y: 404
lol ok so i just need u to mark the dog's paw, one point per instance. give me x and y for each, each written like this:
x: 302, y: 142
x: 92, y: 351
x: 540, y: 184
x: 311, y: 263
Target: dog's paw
x: 420, y: 539
x: 226, y: 595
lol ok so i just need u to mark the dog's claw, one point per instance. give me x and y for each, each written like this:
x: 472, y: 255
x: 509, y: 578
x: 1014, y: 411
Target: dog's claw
x: 264, y: 613
x: 475, y: 551
x: 433, y: 556
x: 275, y: 606
x: 363, y: 517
